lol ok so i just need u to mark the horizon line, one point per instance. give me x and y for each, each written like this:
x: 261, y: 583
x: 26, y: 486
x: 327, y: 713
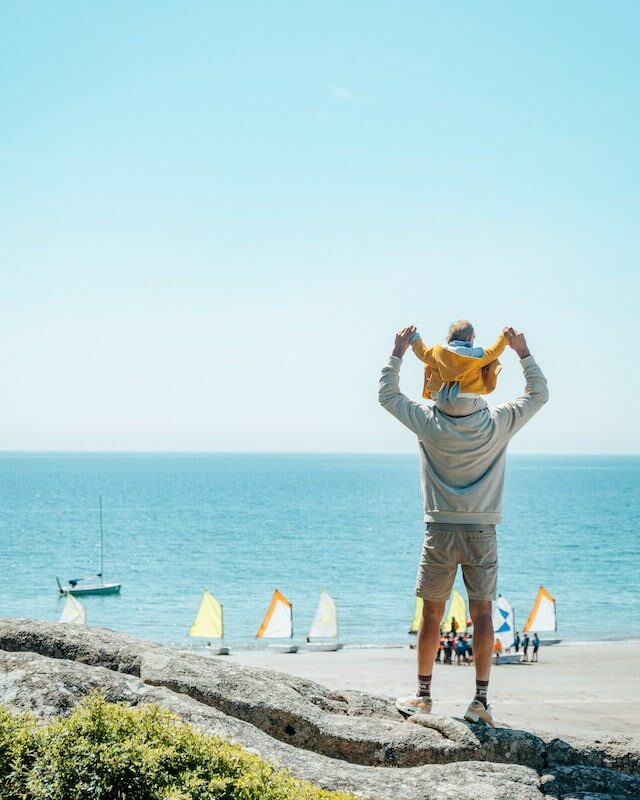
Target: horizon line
x: 290, y: 453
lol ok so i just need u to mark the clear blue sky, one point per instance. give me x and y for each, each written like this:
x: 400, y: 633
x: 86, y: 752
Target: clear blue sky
x: 214, y: 216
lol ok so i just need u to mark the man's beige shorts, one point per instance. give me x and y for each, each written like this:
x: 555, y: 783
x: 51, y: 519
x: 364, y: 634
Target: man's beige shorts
x: 445, y: 546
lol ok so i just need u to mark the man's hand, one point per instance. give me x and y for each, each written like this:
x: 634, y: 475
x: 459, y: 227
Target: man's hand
x: 402, y: 341
x: 517, y: 342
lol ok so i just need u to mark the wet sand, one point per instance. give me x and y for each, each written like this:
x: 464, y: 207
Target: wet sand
x: 585, y: 690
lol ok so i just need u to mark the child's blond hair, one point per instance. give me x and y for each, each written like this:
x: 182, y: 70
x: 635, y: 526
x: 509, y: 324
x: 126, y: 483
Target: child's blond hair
x: 461, y: 330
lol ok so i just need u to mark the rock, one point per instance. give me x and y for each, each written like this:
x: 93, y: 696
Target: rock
x: 51, y: 687
x: 582, y: 783
x: 291, y: 709
x: 349, y: 740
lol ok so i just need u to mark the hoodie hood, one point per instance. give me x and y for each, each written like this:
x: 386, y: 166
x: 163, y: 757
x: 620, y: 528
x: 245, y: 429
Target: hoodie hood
x: 461, y: 406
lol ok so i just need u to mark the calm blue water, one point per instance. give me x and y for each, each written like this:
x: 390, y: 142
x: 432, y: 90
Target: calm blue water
x: 241, y: 525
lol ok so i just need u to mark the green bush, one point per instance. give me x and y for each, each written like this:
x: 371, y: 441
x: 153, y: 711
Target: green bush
x: 106, y: 751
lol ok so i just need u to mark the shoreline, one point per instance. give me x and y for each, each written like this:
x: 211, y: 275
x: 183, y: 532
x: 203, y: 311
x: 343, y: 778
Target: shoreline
x: 564, y: 694
x: 255, y: 646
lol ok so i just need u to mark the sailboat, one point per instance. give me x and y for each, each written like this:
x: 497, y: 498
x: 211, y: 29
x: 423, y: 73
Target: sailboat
x: 73, y: 611
x: 417, y: 616
x: 325, y: 625
x: 91, y: 584
x: 504, y: 625
x: 542, y: 616
x: 458, y: 610
x: 208, y: 623
x: 278, y: 623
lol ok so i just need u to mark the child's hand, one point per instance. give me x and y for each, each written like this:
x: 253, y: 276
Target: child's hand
x: 517, y: 341
x: 402, y: 340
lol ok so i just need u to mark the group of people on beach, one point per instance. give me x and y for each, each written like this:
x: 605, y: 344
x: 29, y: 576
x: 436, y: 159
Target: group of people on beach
x: 459, y: 646
x: 452, y: 646
x: 525, y: 642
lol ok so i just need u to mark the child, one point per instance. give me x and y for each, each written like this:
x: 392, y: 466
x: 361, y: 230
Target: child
x: 458, y: 369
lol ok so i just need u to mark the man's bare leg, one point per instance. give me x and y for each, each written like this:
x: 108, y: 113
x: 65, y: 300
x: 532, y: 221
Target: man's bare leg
x: 428, y: 643
x: 429, y: 635
x: 483, y: 642
x: 483, y: 637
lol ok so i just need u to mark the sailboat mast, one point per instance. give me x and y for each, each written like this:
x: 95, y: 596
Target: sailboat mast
x: 101, y: 545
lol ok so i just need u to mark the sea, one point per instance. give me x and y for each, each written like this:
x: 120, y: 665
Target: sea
x: 241, y: 525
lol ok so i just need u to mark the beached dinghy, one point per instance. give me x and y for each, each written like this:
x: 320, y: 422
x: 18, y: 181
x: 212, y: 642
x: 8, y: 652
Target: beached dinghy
x: 278, y: 623
x: 324, y: 626
x: 91, y: 584
x: 543, y: 616
x: 504, y: 625
x: 208, y: 623
x: 504, y: 628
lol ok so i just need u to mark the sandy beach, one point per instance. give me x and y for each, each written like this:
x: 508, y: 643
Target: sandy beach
x: 575, y: 689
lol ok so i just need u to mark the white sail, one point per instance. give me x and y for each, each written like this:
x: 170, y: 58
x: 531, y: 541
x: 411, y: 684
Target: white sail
x: 73, y: 611
x: 278, y: 621
x: 325, y: 622
x: 503, y: 622
x: 543, y: 613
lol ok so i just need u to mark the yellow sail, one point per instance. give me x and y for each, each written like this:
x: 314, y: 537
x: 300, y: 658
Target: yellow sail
x: 417, y: 616
x: 208, y: 621
x: 458, y: 609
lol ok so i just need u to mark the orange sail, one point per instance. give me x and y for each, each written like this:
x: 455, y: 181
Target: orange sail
x: 543, y: 613
x: 278, y: 621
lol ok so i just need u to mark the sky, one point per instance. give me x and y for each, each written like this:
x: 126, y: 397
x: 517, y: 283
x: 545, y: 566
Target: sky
x: 214, y: 216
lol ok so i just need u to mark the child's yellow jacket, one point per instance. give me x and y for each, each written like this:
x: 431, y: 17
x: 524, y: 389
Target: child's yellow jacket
x: 476, y: 375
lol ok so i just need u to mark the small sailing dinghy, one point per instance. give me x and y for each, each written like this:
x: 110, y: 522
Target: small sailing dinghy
x: 504, y: 629
x: 208, y: 623
x: 543, y: 616
x: 324, y: 626
x: 278, y: 623
x: 504, y: 626
x: 73, y: 611
x: 91, y: 584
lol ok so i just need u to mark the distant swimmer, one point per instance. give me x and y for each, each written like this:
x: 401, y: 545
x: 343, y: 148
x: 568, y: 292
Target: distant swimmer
x: 462, y: 445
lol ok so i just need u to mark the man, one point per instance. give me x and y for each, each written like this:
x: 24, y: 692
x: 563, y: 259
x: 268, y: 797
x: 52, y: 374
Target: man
x: 525, y: 647
x: 462, y: 460
x: 536, y: 645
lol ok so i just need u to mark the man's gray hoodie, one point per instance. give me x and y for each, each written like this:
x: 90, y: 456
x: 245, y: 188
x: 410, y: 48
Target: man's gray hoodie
x: 463, y: 453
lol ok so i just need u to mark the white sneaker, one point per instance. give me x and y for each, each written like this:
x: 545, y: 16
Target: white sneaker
x: 414, y: 705
x: 478, y: 713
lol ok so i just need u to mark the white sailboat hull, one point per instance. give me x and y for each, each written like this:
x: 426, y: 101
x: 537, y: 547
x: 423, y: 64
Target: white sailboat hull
x: 323, y: 647
x: 284, y: 648
x: 96, y: 588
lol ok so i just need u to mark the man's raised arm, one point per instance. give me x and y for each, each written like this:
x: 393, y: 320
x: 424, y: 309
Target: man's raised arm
x: 411, y: 414
x: 512, y: 416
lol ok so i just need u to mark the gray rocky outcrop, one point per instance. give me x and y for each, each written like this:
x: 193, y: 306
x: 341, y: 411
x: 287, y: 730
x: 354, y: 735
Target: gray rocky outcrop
x: 340, y: 740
